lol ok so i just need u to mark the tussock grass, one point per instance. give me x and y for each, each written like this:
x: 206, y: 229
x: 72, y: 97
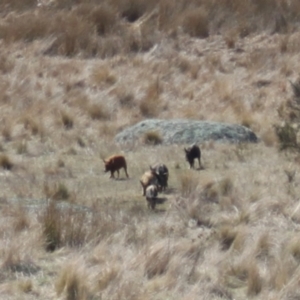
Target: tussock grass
x: 195, y: 23
x: 57, y: 191
x: 72, y: 282
x: 157, y: 262
x: 215, y: 191
x: 152, y: 138
x: 293, y: 247
x: 98, y: 112
x: 51, y: 227
x: 188, y: 183
x: 32, y: 125
x: 6, y: 162
x: 103, y: 74
x: 254, y: 284
x: 226, y: 236
x: 67, y: 120
x: 150, y: 104
x: 229, y: 230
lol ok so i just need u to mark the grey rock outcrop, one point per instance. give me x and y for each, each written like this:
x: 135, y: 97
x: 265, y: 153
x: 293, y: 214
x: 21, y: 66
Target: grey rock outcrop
x: 182, y: 131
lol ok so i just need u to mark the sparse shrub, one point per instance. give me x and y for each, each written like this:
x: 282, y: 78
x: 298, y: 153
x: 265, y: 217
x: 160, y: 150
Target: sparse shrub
x: 5, y: 162
x: 152, y: 138
x: 287, y: 136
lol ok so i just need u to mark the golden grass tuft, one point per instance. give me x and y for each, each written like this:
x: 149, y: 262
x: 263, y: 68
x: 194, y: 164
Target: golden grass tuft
x: 103, y: 74
x: 107, y: 276
x: 72, y: 281
x: 188, y: 183
x: 25, y: 285
x: 150, y: 103
x: 214, y: 191
x: 152, y: 138
x: 263, y: 246
x: 157, y: 262
x: 236, y: 274
x: 67, y: 120
x: 98, y: 112
x: 254, y: 283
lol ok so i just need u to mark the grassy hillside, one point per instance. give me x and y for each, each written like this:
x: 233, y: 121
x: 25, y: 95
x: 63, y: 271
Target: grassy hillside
x: 75, y: 73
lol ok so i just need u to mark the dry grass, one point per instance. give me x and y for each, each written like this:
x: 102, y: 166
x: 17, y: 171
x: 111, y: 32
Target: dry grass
x: 152, y: 138
x: 5, y: 162
x: 188, y: 183
x: 73, y: 74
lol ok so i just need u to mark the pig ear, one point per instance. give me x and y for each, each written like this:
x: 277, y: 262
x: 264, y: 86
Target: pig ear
x: 104, y: 160
x: 185, y: 150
